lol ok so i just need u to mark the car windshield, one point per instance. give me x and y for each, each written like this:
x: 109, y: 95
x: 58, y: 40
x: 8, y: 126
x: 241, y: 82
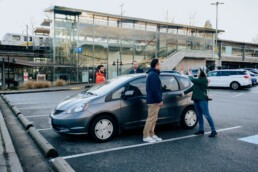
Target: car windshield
x: 195, y: 70
x: 105, y: 86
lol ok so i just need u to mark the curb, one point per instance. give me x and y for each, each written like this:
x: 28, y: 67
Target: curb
x: 38, y: 91
x: 25, y: 122
x: 48, y: 150
x: 13, y: 160
x: 60, y: 165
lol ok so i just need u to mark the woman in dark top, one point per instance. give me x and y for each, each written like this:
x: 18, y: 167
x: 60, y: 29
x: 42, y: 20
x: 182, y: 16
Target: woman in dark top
x: 201, y: 100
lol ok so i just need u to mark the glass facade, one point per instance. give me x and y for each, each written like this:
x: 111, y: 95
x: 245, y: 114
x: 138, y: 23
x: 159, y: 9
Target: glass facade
x: 115, y: 42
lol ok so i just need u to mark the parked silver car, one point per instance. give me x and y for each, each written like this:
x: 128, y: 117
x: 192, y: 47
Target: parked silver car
x: 119, y: 104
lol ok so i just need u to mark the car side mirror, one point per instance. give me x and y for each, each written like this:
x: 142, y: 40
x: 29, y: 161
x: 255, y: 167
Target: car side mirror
x: 129, y: 94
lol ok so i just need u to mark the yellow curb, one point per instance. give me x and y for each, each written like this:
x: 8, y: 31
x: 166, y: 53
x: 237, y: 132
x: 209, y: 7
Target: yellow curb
x: 75, y: 88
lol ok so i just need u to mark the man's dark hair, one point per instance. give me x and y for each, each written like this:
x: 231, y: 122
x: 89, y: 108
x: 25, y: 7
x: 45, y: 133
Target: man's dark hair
x: 154, y: 62
x: 98, y: 68
x: 133, y: 62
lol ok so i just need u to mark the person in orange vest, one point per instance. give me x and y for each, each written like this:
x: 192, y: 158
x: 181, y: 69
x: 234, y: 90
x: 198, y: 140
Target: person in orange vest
x: 100, y: 74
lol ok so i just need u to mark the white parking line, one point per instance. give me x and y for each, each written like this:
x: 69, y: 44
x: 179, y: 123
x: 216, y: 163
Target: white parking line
x: 141, y: 145
x: 42, y: 107
x: 43, y: 129
x: 35, y: 116
x: 238, y: 95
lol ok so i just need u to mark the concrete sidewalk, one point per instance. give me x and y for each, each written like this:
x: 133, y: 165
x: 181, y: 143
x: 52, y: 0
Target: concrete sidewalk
x: 8, y: 158
x: 49, y: 89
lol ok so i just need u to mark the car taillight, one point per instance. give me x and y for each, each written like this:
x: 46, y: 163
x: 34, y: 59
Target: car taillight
x: 246, y: 77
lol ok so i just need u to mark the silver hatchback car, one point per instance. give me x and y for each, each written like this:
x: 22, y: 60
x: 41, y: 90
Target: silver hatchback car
x: 118, y: 104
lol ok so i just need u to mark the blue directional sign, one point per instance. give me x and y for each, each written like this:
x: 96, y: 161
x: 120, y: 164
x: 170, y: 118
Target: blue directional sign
x: 78, y: 49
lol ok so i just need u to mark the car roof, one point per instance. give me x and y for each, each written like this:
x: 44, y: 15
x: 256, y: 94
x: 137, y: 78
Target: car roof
x: 229, y: 70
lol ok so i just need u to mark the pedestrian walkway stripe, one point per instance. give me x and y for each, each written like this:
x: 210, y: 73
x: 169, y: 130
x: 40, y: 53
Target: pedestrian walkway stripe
x: 143, y: 144
x: 250, y: 139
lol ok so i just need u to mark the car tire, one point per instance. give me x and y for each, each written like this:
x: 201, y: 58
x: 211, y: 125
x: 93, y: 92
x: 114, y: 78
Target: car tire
x: 234, y: 85
x: 103, y: 128
x: 189, y: 118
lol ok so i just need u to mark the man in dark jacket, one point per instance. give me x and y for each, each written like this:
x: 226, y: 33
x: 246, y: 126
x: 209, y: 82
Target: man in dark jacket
x: 154, y: 101
x: 135, y: 68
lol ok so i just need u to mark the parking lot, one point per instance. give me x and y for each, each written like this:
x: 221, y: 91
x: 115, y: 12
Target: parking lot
x: 235, y: 114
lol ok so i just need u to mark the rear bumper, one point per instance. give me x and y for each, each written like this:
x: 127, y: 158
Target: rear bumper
x: 247, y: 86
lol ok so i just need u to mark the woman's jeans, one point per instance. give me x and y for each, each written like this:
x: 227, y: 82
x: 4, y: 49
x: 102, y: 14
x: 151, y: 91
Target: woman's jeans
x: 201, y: 108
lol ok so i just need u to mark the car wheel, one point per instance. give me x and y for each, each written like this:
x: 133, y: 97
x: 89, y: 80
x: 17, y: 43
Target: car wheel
x: 235, y: 85
x: 103, y: 128
x: 189, y: 118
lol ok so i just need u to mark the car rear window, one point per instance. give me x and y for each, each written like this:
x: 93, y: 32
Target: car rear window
x: 169, y: 83
x: 184, y: 82
x: 238, y: 73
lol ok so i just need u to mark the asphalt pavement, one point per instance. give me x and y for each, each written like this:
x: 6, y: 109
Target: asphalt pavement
x: 235, y: 114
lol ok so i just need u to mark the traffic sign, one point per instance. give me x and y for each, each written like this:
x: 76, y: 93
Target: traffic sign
x: 78, y: 49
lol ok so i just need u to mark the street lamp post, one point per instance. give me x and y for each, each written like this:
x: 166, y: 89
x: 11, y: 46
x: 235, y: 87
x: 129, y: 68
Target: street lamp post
x: 217, y: 5
x: 216, y: 39
x: 3, y: 75
x: 117, y: 63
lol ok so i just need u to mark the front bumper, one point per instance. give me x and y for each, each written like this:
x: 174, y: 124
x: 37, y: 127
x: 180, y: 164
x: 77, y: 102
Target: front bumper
x: 69, y: 123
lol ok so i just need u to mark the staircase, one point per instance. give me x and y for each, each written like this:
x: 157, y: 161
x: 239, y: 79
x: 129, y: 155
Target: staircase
x: 174, y: 59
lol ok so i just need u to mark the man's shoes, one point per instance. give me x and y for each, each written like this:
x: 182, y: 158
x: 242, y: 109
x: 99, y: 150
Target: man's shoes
x: 213, y: 134
x: 199, y: 132
x: 157, y: 138
x: 149, y: 140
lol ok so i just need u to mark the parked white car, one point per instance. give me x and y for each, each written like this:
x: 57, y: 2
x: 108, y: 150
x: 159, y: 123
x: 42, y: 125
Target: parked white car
x: 233, y: 78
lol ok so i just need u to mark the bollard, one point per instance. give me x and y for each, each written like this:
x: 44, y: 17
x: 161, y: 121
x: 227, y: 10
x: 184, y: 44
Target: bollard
x: 25, y: 122
x: 48, y: 150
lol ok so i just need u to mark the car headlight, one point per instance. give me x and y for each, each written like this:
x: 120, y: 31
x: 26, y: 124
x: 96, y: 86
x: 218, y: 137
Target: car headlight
x: 78, y: 108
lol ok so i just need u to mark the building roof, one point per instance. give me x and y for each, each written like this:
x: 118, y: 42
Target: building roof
x: 72, y: 11
x: 238, y: 42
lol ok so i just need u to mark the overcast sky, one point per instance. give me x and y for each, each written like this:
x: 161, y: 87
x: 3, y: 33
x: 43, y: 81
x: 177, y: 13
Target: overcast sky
x: 239, y: 18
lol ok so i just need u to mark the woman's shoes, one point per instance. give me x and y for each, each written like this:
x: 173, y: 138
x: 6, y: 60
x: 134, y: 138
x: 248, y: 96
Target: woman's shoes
x: 199, y: 132
x: 213, y: 134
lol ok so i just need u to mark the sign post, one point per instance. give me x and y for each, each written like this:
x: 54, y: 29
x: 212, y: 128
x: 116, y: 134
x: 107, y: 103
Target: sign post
x: 25, y: 77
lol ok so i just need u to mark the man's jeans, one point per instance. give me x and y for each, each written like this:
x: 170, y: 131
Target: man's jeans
x: 153, y: 110
x: 202, y: 108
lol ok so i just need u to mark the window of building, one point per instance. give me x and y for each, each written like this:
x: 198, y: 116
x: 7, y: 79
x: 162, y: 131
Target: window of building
x: 169, y: 83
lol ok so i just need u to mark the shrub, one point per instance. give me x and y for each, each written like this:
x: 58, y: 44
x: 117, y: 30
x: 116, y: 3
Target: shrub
x: 29, y: 85
x: 35, y: 84
x: 60, y: 82
x: 42, y: 84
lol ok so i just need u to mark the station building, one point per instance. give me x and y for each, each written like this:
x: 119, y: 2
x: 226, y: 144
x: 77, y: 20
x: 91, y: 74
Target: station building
x: 80, y: 40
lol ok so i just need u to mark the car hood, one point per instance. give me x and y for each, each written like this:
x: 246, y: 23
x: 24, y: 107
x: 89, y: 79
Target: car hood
x: 73, y: 100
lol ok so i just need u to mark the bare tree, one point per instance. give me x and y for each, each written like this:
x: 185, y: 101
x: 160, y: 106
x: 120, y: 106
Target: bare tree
x: 255, y: 39
x: 167, y: 18
x: 192, y: 18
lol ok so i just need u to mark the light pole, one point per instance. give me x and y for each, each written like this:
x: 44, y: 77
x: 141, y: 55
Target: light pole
x: 117, y: 63
x: 216, y: 39
x: 217, y: 5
